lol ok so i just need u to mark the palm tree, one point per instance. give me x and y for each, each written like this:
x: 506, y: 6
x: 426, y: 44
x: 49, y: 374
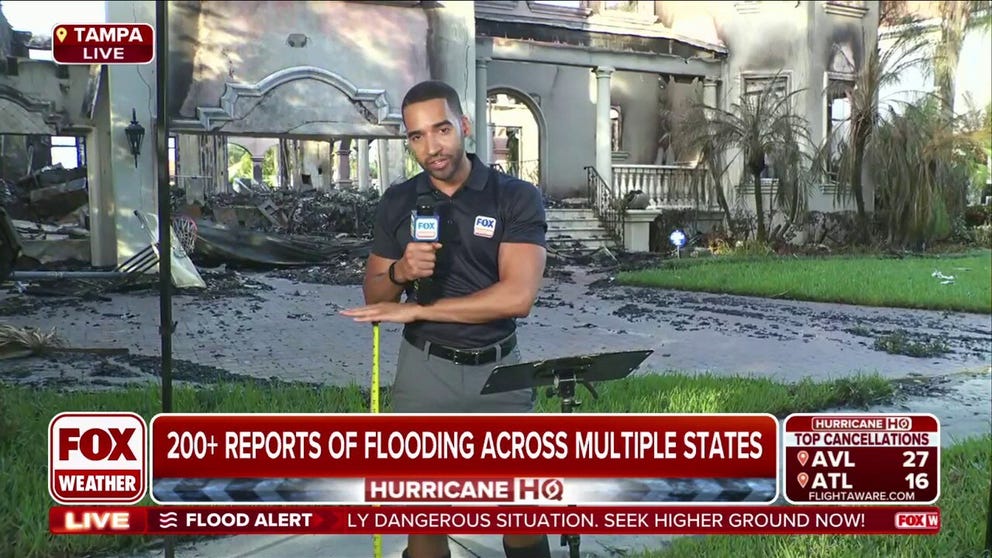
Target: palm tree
x: 841, y: 158
x: 919, y: 165
x: 956, y: 17
x: 763, y: 132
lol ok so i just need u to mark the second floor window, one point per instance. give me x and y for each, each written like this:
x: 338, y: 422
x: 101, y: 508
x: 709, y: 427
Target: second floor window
x: 838, y: 132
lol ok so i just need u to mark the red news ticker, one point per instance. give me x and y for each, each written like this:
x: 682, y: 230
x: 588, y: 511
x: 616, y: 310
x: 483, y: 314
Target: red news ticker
x: 103, y: 43
x: 401, y: 520
x: 369, y: 445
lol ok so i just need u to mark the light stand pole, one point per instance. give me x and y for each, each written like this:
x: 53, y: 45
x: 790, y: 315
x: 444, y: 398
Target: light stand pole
x: 166, y: 326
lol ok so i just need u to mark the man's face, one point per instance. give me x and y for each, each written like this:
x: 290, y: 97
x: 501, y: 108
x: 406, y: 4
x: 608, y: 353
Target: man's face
x: 437, y: 137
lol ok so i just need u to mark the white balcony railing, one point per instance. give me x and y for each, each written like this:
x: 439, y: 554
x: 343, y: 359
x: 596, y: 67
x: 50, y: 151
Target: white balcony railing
x: 666, y: 185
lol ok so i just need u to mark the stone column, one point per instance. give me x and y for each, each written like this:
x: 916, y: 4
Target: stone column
x: 710, y: 99
x: 99, y: 176
x: 709, y: 92
x: 363, y: 164
x: 391, y: 153
x: 604, y: 144
x: 343, y: 167
x: 134, y: 189
x: 256, y: 169
x: 397, y: 160
x: 215, y: 153
x: 382, y: 153
x: 451, y: 44
x: 482, y: 143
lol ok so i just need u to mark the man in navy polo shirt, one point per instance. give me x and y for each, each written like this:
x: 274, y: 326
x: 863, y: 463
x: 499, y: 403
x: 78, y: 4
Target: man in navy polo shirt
x: 464, y: 290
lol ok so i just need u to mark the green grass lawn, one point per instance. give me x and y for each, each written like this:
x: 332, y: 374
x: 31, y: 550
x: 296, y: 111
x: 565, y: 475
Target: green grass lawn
x: 25, y: 414
x: 872, y: 281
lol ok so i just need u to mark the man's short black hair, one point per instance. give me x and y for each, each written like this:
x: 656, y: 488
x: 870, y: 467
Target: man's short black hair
x: 430, y: 90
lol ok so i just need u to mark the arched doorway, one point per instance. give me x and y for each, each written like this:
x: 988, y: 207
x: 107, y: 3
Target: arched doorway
x: 518, y: 134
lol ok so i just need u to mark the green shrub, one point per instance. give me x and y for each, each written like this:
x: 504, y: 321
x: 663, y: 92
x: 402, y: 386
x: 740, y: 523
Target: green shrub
x: 976, y: 215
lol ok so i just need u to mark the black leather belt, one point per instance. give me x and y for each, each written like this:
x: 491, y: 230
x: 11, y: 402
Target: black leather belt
x: 469, y: 357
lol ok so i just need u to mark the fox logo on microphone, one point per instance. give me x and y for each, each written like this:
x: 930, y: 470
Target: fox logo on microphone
x: 424, y: 228
x: 96, y: 458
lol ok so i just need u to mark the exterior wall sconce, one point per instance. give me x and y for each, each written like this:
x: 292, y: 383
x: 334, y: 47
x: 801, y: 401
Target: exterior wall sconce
x: 135, y: 133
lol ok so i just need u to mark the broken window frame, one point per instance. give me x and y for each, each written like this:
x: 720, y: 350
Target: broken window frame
x: 783, y: 79
x: 616, y: 128
x: 60, y: 144
x: 837, y: 86
x: 172, y: 155
x: 779, y: 80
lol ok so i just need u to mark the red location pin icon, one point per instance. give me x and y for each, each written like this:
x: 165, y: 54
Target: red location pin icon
x: 803, y: 457
x: 803, y: 478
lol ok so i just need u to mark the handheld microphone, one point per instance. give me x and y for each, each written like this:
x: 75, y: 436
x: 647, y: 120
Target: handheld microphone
x: 425, y: 226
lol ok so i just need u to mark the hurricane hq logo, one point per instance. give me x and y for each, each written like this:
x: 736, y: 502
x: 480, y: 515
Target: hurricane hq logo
x: 539, y: 490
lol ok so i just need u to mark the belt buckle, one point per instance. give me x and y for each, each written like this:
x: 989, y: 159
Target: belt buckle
x: 467, y: 357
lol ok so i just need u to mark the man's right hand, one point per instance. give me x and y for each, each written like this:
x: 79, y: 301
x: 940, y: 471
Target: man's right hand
x: 417, y: 262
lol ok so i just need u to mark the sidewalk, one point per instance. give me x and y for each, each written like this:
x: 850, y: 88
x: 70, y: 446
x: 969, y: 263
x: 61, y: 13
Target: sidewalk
x: 271, y: 327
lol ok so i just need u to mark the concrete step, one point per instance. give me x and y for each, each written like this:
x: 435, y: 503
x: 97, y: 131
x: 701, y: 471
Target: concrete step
x: 572, y: 229
x: 566, y: 245
x: 577, y: 232
x: 569, y: 213
x: 574, y: 225
x: 572, y: 219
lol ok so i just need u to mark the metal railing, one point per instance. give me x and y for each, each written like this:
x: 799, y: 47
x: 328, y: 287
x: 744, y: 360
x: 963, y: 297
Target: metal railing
x: 667, y: 185
x: 607, y: 206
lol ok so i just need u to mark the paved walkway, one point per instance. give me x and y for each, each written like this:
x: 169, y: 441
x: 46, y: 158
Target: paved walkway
x: 294, y: 331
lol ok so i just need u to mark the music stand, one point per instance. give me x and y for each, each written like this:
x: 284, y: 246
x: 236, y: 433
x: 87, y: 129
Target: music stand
x: 562, y: 374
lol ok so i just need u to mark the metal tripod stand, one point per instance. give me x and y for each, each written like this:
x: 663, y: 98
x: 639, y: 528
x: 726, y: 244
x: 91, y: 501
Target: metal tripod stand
x: 561, y: 376
x: 563, y: 386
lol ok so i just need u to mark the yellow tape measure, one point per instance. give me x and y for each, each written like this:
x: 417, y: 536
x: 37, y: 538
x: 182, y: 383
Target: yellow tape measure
x: 374, y: 406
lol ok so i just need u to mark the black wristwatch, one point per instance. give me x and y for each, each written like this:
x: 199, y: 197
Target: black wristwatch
x: 392, y: 275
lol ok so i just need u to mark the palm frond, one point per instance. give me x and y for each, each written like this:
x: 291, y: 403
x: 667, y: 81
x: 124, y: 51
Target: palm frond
x: 19, y: 342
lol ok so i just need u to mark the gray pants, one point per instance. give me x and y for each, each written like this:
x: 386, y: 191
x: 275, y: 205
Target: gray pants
x: 429, y: 384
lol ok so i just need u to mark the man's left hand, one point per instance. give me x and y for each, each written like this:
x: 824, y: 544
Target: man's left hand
x: 398, y: 312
